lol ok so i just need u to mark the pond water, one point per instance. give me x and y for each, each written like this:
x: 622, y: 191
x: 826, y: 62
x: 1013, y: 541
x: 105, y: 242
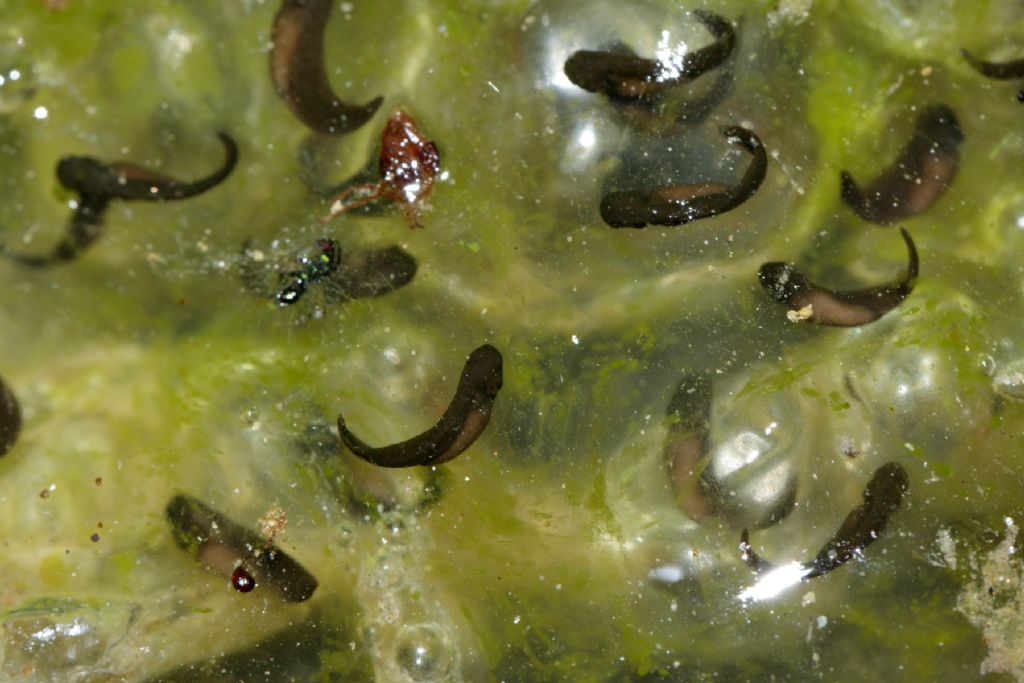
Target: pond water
x: 656, y: 400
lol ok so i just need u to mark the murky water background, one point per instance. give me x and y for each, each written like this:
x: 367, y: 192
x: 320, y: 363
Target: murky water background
x: 555, y: 548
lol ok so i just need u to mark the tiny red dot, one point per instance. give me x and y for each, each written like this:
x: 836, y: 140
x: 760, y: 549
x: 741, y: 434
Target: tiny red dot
x: 242, y: 580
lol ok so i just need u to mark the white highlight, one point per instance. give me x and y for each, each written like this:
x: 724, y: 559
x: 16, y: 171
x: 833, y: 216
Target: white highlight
x: 773, y: 582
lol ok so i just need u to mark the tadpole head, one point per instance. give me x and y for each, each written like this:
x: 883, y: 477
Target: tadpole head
x: 79, y: 173
x: 780, y: 279
x: 488, y: 361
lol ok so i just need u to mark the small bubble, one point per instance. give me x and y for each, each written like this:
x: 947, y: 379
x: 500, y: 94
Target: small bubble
x: 40, y: 113
x: 423, y: 652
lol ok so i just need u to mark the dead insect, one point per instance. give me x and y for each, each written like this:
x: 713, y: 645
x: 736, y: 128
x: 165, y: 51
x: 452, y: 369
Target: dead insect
x: 360, y: 274
x: 323, y: 263
x: 408, y: 165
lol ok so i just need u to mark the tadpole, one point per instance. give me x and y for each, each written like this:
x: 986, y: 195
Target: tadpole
x: 849, y: 308
x: 629, y: 77
x: 97, y: 184
x: 10, y: 418
x: 681, y: 204
x: 862, y: 527
x: 299, y: 75
x: 224, y: 547
x: 998, y: 70
x: 343, y: 276
x: 922, y: 172
x: 688, y: 420
x: 462, y: 423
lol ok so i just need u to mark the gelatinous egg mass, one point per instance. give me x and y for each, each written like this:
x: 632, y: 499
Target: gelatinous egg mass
x: 708, y: 364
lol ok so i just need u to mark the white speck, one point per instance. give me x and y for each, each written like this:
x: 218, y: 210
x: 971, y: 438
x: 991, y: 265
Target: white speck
x: 808, y: 598
x: 493, y: 87
x: 40, y: 113
x: 822, y: 621
x: 467, y: 478
x: 515, y: 619
x: 909, y: 446
x: 558, y: 586
x: 1020, y: 222
x: 14, y: 74
x: 575, y: 339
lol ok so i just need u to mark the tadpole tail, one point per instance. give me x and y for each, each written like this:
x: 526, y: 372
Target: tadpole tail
x: 1003, y: 71
x: 84, y: 228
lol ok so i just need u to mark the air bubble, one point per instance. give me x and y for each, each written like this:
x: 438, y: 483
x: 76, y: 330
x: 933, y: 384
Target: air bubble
x: 423, y: 652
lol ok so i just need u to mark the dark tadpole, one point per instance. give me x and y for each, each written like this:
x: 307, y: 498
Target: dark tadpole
x: 999, y: 70
x: 462, y: 423
x: 920, y: 175
x: 97, y: 184
x: 841, y: 309
x: 123, y: 180
x: 368, y: 273
x: 223, y: 546
x: 688, y: 421
x: 10, y: 418
x: 681, y: 204
x: 299, y: 75
x: 861, y: 528
x: 626, y: 76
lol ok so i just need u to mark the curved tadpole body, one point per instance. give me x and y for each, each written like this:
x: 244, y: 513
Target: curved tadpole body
x: 10, y: 418
x: 850, y: 308
x: 461, y: 424
x: 998, y: 70
x: 681, y: 204
x: 298, y: 72
x: 97, y: 184
x: 224, y: 546
x: 861, y: 528
x: 629, y: 77
x: 923, y: 171
x: 123, y: 180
